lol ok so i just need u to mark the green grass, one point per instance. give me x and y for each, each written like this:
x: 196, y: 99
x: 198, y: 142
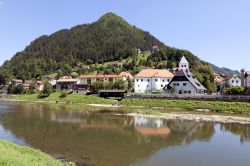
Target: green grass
x: 15, y: 155
x: 217, y: 106
x: 70, y: 98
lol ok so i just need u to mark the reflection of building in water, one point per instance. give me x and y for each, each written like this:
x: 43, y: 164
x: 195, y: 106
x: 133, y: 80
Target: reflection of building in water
x: 140, y: 121
x: 189, y: 128
x: 151, y: 126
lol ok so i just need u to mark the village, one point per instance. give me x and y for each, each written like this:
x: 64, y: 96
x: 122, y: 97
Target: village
x: 148, y: 81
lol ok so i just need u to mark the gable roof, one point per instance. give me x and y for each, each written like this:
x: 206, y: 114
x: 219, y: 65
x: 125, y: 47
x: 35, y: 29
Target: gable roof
x: 155, y: 73
x: 247, y: 73
x: 127, y: 75
x: 183, y: 60
x: 234, y: 76
x: 188, y: 76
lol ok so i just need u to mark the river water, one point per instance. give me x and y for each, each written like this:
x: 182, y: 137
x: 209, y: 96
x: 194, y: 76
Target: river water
x: 107, y: 139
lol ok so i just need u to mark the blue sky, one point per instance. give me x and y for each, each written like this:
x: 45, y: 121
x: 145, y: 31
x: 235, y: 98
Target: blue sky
x: 217, y: 31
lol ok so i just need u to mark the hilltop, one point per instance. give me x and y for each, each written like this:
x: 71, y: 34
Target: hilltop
x: 108, y: 45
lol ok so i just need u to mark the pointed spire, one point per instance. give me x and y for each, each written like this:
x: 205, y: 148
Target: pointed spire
x: 183, y: 60
x: 184, y: 65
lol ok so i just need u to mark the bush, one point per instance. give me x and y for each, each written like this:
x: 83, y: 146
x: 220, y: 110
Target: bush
x: 47, y: 90
x: 18, y: 89
x: 64, y: 93
x: 236, y: 90
x: 10, y: 89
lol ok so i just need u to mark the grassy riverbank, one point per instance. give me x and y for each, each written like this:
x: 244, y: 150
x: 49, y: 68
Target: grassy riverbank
x: 70, y: 98
x: 11, y: 154
x: 217, y: 106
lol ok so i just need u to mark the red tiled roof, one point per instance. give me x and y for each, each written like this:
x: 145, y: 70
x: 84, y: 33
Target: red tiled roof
x: 100, y: 76
x: 126, y: 74
x: 17, y: 80
x: 155, y: 73
x: 39, y: 82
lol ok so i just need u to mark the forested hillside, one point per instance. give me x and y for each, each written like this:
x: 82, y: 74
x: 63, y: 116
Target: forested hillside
x: 110, y: 39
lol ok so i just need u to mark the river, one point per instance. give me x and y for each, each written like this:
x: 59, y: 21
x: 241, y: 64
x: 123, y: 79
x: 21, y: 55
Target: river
x: 103, y: 138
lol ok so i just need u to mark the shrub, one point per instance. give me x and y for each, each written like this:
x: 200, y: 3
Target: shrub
x: 64, y: 93
x: 47, y: 90
x: 18, y: 89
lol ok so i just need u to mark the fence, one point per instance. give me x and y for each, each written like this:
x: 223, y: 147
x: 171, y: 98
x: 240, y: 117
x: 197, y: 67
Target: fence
x: 238, y: 98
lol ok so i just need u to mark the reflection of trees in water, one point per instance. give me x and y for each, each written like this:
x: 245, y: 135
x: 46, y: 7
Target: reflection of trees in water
x: 243, y: 132
x: 103, y: 139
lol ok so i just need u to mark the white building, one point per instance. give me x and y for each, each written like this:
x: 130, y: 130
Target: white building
x: 247, y: 79
x: 39, y: 85
x: 233, y: 81
x: 184, y: 65
x: 184, y: 82
x: 152, y: 80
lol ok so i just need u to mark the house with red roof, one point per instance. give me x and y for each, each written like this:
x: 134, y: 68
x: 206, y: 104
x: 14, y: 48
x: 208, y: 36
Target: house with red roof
x: 152, y: 80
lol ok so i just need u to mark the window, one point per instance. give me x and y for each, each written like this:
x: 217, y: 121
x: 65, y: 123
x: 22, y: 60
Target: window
x: 163, y: 80
x: 185, y: 66
x: 161, y: 85
x: 147, y: 85
x: 232, y: 81
x: 156, y: 80
x: 176, y: 84
x: 168, y: 80
x: 184, y: 84
x: 237, y: 81
x: 197, y: 84
x: 88, y: 80
x: 148, y: 80
x: 141, y: 80
x: 138, y: 85
x: 137, y: 80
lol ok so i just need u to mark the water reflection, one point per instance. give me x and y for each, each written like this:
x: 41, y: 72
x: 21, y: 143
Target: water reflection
x: 103, y: 139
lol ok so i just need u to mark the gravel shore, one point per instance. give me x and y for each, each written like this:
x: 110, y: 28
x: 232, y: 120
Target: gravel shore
x: 200, y: 117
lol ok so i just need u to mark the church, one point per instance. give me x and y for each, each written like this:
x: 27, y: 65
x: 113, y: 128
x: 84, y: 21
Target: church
x: 184, y: 82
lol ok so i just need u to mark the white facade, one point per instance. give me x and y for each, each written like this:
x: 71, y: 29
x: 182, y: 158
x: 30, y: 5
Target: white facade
x: 248, y: 81
x: 39, y: 87
x: 185, y: 87
x: 234, y: 81
x: 144, y: 84
x: 52, y: 82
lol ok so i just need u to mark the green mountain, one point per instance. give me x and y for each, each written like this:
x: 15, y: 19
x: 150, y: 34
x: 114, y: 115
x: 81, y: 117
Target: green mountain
x: 110, y: 39
x: 223, y: 70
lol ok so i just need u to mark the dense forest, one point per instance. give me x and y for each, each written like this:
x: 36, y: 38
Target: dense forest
x: 109, y: 39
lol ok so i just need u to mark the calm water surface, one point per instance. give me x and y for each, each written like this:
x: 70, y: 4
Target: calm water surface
x: 105, y: 139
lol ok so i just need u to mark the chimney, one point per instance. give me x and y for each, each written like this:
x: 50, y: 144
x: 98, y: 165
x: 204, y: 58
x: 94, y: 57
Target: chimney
x: 242, y: 76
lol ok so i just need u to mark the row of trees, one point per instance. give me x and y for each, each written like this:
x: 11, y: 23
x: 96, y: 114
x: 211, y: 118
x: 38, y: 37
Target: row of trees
x: 19, y: 89
x: 118, y: 84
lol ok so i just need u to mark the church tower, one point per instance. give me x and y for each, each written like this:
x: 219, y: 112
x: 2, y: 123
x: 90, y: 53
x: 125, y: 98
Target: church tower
x: 184, y: 65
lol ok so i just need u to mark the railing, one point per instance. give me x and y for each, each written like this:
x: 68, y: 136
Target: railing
x: 239, y: 98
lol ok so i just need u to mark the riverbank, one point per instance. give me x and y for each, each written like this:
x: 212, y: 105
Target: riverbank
x: 215, y: 106
x: 156, y: 104
x: 11, y: 154
x: 224, y: 119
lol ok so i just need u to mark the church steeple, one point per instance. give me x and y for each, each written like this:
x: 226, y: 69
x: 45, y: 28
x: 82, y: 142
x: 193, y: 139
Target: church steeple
x: 184, y: 65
